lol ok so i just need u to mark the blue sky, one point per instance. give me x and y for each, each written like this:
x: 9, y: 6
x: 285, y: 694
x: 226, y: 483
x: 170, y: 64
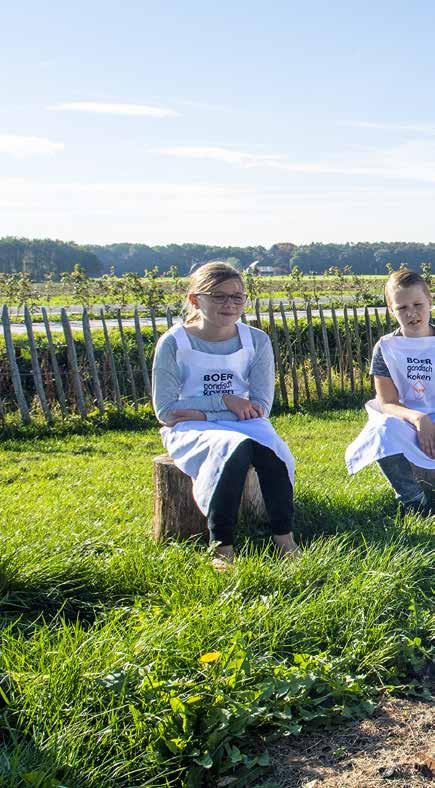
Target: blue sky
x: 230, y: 123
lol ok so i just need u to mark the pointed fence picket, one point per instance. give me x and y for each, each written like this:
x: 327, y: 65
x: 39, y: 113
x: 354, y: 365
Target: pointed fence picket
x: 15, y: 373
x: 90, y: 352
x: 54, y: 364
x: 36, y: 369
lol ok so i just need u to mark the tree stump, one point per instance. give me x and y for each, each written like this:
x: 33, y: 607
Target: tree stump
x: 426, y: 477
x: 176, y: 514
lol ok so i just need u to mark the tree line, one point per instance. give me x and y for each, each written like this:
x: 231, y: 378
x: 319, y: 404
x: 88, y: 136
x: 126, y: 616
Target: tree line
x: 40, y: 258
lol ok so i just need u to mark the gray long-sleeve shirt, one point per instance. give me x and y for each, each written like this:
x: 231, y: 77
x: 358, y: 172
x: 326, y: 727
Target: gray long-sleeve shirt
x: 167, y: 380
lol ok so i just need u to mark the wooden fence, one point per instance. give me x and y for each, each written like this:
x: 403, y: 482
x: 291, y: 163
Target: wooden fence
x: 315, y: 358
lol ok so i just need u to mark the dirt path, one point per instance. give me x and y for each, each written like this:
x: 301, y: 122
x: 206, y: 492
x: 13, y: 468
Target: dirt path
x: 394, y: 747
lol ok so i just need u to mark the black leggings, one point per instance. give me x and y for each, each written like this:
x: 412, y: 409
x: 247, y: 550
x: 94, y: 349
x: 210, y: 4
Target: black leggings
x: 275, y: 486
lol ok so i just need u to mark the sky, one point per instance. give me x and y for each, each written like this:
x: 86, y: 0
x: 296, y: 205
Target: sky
x: 229, y: 123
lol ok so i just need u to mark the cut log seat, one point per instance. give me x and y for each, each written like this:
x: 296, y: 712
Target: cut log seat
x: 426, y: 477
x: 176, y: 514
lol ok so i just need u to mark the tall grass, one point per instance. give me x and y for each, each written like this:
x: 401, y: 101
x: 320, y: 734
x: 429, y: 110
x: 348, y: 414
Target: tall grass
x: 127, y: 663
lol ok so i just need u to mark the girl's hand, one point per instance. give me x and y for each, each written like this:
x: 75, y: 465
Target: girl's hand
x: 426, y: 434
x: 184, y: 415
x: 243, y: 408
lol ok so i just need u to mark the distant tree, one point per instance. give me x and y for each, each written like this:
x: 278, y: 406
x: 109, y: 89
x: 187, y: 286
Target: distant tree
x: 426, y: 272
x: 295, y: 284
x: 176, y: 296
x: 252, y: 284
x: 25, y: 292
x: 154, y: 294
x: 8, y: 288
x: 134, y: 286
x: 49, y: 279
x: 361, y: 288
x: 315, y: 287
x: 78, y: 284
x: 118, y: 290
x: 41, y: 256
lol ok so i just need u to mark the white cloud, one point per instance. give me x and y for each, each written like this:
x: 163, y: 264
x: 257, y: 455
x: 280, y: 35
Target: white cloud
x: 248, y: 159
x: 113, y: 198
x: 100, y: 108
x: 413, y: 160
x: 227, y: 155
x: 16, y: 145
x: 206, y: 105
x: 425, y: 128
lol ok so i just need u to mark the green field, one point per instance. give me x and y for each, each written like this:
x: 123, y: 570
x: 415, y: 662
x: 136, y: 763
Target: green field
x: 125, y: 663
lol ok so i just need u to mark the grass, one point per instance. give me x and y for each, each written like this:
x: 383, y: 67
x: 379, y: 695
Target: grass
x: 126, y: 663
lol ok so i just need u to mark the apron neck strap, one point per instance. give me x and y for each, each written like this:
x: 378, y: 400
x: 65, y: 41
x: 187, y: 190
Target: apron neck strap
x: 245, y: 335
x: 181, y: 338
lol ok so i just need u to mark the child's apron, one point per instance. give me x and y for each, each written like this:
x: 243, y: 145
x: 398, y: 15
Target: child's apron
x: 411, y: 364
x: 201, y: 448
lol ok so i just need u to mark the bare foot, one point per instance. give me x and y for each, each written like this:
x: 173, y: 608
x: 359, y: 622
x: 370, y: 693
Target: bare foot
x: 287, y: 547
x: 220, y: 565
x: 223, y: 558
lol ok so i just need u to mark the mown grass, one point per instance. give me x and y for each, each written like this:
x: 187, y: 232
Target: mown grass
x: 126, y: 663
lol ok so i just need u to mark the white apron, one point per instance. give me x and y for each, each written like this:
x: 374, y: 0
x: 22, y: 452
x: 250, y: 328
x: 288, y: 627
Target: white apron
x: 201, y: 448
x: 411, y: 364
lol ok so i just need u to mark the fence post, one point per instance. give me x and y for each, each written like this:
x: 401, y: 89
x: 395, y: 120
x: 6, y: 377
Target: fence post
x: 290, y: 357
x: 91, y: 361
x: 349, y: 349
x: 130, y: 373
x: 358, y: 348
x: 257, y: 312
x: 169, y: 320
x: 299, y: 349
x: 141, y: 354
x: 54, y: 364
x: 72, y: 360
x: 153, y: 323
x: 338, y: 347
x: 37, y: 377
x: 326, y: 348
x: 369, y: 333
x: 15, y: 373
x: 369, y: 344
x: 275, y: 344
x: 113, y: 374
x: 313, y: 355
x: 387, y: 320
x: 379, y: 326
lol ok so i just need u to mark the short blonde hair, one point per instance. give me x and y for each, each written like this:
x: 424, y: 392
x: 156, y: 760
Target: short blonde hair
x: 405, y: 277
x: 205, y: 279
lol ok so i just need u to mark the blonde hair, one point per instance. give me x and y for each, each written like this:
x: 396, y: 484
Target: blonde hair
x: 405, y: 277
x: 205, y: 279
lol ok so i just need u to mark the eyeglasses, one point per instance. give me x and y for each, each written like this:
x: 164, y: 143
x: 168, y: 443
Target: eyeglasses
x: 221, y: 298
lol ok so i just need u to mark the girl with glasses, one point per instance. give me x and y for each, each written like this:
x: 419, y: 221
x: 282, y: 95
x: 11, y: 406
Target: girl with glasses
x: 213, y: 385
